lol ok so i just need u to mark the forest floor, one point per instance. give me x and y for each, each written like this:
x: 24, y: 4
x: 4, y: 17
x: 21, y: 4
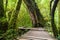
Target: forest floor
x: 37, y: 34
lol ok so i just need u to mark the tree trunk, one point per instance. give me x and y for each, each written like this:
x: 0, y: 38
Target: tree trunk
x: 37, y: 18
x: 54, y: 28
x: 1, y: 9
x: 51, y: 1
x: 3, y: 21
x: 12, y: 23
x: 59, y: 16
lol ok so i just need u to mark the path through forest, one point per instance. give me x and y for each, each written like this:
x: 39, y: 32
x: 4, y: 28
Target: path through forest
x: 37, y: 34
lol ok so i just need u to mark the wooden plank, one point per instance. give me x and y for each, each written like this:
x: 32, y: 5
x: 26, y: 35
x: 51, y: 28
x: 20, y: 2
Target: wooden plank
x: 32, y: 38
x: 37, y: 35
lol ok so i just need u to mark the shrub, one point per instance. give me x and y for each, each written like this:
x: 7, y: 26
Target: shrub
x: 58, y: 37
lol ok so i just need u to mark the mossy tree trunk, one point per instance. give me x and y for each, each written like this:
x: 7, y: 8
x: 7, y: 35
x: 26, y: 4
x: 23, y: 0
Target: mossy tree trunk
x: 12, y: 22
x: 3, y: 21
x: 54, y: 28
x: 59, y: 16
x: 36, y: 16
x: 1, y: 9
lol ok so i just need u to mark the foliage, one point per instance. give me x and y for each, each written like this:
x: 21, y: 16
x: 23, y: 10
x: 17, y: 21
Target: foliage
x: 58, y: 37
x: 11, y: 34
x: 24, y: 19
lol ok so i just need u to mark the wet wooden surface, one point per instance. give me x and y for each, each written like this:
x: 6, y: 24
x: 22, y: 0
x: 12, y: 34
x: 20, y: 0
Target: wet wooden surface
x: 37, y: 34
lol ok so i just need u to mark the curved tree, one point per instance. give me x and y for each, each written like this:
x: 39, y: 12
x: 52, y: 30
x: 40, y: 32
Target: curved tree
x: 36, y: 16
x: 54, y: 28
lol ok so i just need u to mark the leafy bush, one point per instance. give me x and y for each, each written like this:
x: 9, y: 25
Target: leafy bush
x: 58, y: 37
x: 11, y: 34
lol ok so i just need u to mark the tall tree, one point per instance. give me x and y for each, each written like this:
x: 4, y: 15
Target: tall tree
x: 1, y: 9
x: 12, y: 23
x: 54, y: 28
x: 3, y: 21
x: 59, y: 16
x: 37, y: 18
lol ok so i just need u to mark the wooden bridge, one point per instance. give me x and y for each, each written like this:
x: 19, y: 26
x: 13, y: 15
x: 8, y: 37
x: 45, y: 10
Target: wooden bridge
x: 36, y: 34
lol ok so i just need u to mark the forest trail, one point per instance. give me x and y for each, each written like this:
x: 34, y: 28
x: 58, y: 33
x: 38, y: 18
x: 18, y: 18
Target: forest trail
x: 37, y: 34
